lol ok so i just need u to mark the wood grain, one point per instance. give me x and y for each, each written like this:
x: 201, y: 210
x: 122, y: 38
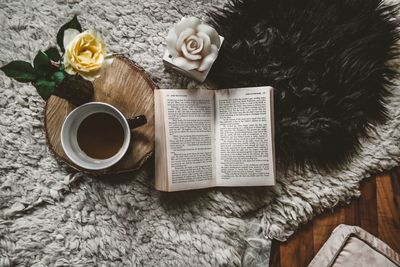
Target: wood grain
x: 352, y: 212
x: 275, y: 257
x: 299, y: 249
x: 126, y: 86
x: 377, y: 211
x: 388, y: 213
x: 367, y: 206
x: 323, y: 226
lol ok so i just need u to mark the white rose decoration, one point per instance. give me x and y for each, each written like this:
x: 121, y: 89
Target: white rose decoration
x: 193, y: 45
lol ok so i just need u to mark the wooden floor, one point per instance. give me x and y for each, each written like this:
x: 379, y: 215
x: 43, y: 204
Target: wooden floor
x: 376, y: 211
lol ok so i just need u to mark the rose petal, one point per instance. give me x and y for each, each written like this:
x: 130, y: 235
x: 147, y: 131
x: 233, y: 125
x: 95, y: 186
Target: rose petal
x: 171, y: 41
x: 211, y: 32
x: 185, y: 34
x: 190, y: 22
x: 68, y: 69
x: 185, y: 64
x: 197, y: 49
x: 69, y: 35
x: 108, y: 61
x: 90, y: 78
x: 209, y: 60
x: 191, y: 45
x: 206, y: 43
x: 189, y: 56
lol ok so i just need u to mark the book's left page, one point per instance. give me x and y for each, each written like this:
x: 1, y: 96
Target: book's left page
x: 188, y: 121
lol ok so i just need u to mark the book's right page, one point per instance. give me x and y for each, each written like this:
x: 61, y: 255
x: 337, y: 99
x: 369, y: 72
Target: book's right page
x: 244, y: 137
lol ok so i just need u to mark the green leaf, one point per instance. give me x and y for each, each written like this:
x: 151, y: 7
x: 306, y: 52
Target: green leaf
x: 53, y: 54
x: 20, y: 70
x: 58, y: 77
x: 45, y: 88
x: 73, y: 24
x: 42, y: 64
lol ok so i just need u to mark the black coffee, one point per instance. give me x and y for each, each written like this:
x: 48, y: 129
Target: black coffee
x: 100, y: 136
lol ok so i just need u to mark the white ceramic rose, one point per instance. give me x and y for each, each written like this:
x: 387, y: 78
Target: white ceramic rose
x: 85, y: 54
x: 193, y: 45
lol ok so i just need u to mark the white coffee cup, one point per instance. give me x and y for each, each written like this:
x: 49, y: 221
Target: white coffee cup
x: 71, y: 125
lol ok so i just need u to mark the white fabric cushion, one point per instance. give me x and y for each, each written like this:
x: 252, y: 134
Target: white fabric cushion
x: 350, y: 246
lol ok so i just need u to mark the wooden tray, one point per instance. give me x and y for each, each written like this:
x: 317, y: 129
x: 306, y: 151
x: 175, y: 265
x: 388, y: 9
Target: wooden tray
x: 126, y: 86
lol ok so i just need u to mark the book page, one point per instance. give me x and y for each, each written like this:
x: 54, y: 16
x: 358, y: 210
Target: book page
x: 189, y: 125
x: 244, y: 137
x: 161, y: 169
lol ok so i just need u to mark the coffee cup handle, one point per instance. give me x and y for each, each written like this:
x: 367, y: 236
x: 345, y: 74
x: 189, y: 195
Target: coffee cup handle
x: 136, y: 121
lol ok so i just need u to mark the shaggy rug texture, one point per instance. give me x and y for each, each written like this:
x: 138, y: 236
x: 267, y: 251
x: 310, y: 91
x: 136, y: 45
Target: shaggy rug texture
x: 50, y: 217
x: 327, y: 61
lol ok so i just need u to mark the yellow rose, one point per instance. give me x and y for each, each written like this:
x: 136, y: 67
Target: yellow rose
x: 85, y: 54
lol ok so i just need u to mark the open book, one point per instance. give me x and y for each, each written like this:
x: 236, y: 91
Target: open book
x: 208, y: 138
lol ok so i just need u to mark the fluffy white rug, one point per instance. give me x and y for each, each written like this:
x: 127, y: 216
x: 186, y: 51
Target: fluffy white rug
x: 49, y: 217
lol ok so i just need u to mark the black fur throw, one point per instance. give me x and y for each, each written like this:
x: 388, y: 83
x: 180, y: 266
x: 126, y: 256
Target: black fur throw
x: 326, y: 59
